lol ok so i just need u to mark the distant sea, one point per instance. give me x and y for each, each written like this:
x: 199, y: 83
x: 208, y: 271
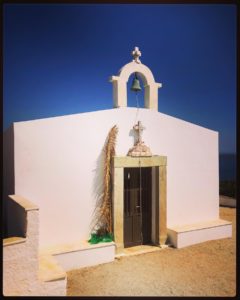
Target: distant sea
x: 227, y: 166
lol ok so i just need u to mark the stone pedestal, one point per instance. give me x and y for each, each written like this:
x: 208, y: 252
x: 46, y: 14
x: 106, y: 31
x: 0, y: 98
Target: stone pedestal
x: 140, y: 149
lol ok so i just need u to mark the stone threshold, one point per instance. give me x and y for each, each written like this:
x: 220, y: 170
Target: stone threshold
x: 136, y: 250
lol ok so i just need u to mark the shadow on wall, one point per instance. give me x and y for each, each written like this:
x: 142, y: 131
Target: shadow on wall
x: 134, y: 135
x: 98, y: 183
x: 8, y: 178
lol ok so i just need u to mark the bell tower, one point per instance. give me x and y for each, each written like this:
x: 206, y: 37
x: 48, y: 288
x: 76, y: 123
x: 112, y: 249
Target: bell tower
x: 120, y: 83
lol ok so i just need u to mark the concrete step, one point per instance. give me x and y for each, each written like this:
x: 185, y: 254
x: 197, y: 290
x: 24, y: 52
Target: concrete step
x: 80, y: 254
x: 186, y: 235
x: 49, y: 269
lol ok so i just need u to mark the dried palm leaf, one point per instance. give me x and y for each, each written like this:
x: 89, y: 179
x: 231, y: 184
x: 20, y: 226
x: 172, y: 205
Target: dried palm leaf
x: 103, y: 213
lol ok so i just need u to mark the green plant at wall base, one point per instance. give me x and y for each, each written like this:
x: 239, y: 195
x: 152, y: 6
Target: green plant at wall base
x: 103, y: 226
x: 95, y: 238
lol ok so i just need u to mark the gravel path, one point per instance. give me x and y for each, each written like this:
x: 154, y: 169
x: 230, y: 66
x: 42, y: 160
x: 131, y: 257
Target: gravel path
x: 206, y: 269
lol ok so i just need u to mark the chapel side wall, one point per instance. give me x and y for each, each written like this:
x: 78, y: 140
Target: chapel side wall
x: 192, y: 169
x: 59, y: 166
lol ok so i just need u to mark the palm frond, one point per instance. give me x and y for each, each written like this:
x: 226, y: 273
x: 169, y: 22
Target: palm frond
x: 103, y: 220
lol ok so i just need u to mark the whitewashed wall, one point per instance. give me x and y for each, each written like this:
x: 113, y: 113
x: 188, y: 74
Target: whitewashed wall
x: 57, y: 166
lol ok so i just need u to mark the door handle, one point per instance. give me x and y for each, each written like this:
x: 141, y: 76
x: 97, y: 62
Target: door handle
x: 138, y: 206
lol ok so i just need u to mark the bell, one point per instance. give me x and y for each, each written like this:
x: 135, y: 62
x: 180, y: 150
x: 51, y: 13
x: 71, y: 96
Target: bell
x: 135, y: 84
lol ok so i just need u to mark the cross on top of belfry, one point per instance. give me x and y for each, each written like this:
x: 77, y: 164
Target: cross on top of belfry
x: 139, y: 129
x: 136, y: 53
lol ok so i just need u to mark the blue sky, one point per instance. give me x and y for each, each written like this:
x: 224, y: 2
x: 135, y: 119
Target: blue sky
x: 58, y: 59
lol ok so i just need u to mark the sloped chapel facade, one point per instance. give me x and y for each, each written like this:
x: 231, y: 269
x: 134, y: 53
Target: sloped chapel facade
x: 58, y: 165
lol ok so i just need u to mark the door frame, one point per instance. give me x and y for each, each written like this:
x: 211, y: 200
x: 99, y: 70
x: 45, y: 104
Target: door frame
x: 159, y: 188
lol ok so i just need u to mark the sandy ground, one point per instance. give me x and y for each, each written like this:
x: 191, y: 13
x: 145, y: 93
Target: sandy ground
x: 206, y: 269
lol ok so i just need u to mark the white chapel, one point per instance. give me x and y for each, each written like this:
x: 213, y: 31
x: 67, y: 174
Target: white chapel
x: 164, y: 176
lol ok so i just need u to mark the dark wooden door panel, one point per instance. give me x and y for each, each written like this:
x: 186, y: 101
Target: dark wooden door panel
x: 128, y: 232
x: 137, y: 206
x: 137, y: 230
x: 146, y: 176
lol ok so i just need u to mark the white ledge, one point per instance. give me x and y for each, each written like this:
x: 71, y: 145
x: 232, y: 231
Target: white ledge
x: 26, y: 204
x: 13, y: 241
x: 199, y: 226
x: 72, y: 247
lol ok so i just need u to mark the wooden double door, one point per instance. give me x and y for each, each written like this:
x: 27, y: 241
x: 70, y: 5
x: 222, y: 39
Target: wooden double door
x: 137, y: 206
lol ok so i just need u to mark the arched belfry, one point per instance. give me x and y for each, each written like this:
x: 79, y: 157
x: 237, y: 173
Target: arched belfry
x: 120, y: 83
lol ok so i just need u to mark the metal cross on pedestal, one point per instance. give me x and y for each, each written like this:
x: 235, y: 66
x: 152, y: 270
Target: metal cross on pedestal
x: 139, y: 129
x: 139, y: 148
